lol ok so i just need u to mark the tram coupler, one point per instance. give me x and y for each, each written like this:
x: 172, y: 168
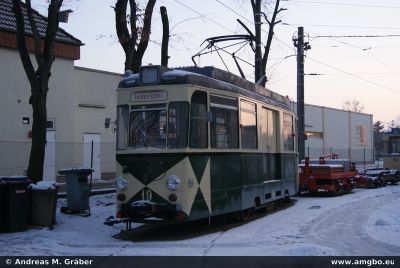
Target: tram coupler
x: 110, y: 221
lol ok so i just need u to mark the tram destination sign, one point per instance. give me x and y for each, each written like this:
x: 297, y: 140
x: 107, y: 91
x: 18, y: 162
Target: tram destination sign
x: 149, y: 96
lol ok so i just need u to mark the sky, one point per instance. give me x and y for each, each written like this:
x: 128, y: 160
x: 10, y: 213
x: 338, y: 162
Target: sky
x: 363, y: 68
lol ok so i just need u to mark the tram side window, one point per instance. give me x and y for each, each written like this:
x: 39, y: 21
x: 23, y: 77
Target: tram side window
x: 178, y: 124
x: 248, y: 125
x: 198, y: 120
x: 224, y: 125
x: 288, y: 134
x: 148, y: 125
x: 122, y: 126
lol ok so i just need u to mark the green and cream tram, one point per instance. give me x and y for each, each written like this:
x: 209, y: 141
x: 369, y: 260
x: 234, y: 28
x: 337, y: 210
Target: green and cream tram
x: 200, y: 142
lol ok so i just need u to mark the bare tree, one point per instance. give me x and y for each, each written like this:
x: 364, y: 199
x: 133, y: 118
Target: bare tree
x: 260, y: 66
x: 39, y: 77
x: 354, y: 106
x: 135, y: 40
x: 165, y: 38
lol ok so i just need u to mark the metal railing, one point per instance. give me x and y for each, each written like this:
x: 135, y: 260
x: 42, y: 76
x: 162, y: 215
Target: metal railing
x: 359, y: 156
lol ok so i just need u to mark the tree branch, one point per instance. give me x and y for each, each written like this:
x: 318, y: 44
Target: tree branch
x: 280, y: 10
x: 124, y: 37
x: 145, y: 37
x: 272, y: 23
x: 253, y: 5
x: 165, y: 37
x: 35, y: 33
x: 51, y: 33
x: 121, y: 24
x: 21, y: 41
x: 133, y: 18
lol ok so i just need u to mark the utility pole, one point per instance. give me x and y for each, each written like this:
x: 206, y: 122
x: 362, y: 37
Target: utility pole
x: 258, y: 54
x: 300, y: 92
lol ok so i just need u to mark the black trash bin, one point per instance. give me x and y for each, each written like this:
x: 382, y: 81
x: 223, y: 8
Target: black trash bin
x: 2, y: 195
x: 78, y: 190
x: 16, y: 209
x: 43, y: 203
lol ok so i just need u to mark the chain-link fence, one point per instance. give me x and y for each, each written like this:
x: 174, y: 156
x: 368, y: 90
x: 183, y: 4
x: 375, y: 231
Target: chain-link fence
x: 358, y: 156
x: 14, y: 158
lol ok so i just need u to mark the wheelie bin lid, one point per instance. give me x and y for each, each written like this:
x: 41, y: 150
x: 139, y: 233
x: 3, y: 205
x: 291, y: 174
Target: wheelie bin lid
x: 43, y: 186
x: 78, y: 171
x: 15, y: 178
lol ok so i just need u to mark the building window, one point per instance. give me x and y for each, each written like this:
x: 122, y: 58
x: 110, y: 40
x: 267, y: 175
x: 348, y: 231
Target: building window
x: 198, y: 121
x: 51, y: 124
x: 288, y: 133
x: 248, y: 125
x: 224, y: 125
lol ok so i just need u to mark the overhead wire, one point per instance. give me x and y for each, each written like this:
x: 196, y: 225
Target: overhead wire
x: 341, y: 4
x: 342, y: 26
x: 358, y: 36
x: 291, y: 47
x: 370, y: 54
x: 205, y: 16
x: 355, y: 76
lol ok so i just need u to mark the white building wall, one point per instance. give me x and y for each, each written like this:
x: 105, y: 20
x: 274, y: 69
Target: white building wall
x: 95, y: 94
x: 69, y: 88
x: 314, y: 122
x: 347, y: 133
x: 99, y: 90
x: 16, y: 92
x: 361, y: 133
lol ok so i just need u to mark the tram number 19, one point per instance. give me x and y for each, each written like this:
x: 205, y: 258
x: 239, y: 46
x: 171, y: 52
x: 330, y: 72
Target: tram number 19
x: 147, y: 195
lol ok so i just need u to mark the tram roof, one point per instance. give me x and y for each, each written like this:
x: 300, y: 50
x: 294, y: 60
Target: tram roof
x: 211, y: 77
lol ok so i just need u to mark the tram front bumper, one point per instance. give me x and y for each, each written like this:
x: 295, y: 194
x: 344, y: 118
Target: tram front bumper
x: 145, y: 209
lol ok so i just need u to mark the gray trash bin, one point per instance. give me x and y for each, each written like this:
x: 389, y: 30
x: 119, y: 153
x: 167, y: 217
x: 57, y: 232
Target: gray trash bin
x: 78, y: 189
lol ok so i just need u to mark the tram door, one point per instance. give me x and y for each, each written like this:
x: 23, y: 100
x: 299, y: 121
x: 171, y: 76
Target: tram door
x: 269, y: 143
x: 269, y: 137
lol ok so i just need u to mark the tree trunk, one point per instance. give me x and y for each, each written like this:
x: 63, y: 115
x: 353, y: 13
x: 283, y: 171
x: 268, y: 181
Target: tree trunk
x: 165, y: 38
x: 39, y: 123
x: 39, y: 79
x: 133, y: 47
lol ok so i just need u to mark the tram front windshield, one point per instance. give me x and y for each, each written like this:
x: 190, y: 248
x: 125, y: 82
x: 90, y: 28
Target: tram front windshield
x: 156, y: 126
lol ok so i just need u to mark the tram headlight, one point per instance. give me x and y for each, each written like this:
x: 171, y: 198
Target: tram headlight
x: 173, y: 182
x: 121, y: 183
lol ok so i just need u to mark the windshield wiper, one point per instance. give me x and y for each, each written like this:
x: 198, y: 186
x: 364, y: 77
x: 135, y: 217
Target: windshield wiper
x: 143, y: 136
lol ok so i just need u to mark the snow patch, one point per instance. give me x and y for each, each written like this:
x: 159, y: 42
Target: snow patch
x: 43, y: 185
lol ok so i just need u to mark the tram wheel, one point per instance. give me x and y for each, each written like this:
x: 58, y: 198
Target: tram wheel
x: 244, y: 215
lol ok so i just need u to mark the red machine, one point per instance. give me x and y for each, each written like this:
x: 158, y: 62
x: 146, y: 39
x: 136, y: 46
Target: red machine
x: 334, y: 175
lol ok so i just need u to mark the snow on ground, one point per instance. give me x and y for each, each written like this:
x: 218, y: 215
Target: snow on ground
x: 384, y: 223
x: 366, y: 222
